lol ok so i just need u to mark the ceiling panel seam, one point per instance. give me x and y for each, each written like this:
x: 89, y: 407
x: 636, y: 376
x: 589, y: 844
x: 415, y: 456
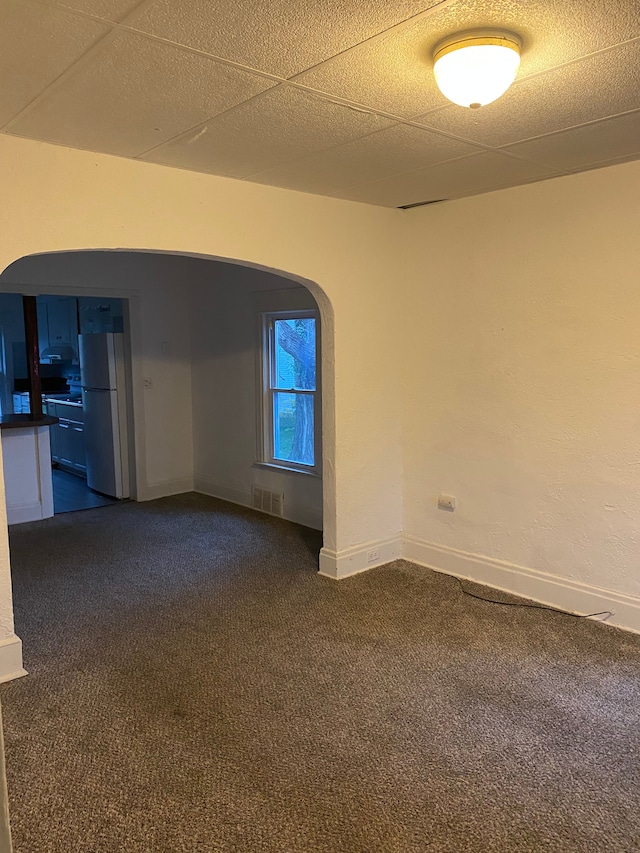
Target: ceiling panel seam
x: 85, y: 59
x: 394, y: 119
x: 398, y: 27
x: 410, y: 121
x: 557, y: 171
x: 612, y: 161
x: 601, y: 120
x: 343, y: 144
x: 93, y: 16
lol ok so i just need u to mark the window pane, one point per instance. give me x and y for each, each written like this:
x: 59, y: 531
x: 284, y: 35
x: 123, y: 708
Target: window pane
x: 295, y: 354
x: 293, y: 428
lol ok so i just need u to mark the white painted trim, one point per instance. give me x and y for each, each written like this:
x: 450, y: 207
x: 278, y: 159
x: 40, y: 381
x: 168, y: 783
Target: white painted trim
x: 352, y: 561
x: 25, y: 512
x: 11, y: 659
x: 231, y: 492
x: 164, y: 489
x: 551, y: 590
x: 43, y: 506
x: 303, y: 514
x: 44, y: 467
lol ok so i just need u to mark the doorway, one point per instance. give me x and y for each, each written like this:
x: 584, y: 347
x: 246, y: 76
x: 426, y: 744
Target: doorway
x: 83, y: 373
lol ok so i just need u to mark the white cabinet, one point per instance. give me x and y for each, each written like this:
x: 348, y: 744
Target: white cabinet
x: 21, y: 403
x: 67, y: 437
x: 27, y: 473
x: 78, y: 461
x: 57, y: 323
x: 64, y: 443
x: 98, y: 314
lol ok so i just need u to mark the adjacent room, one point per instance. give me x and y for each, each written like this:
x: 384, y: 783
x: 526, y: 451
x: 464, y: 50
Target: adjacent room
x: 372, y: 277
x: 82, y: 373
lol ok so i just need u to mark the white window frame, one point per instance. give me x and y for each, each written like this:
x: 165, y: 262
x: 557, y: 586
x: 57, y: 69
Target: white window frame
x: 269, y: 390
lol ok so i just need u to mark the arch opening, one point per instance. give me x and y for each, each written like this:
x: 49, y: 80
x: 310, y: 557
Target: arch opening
x: 170, y: 297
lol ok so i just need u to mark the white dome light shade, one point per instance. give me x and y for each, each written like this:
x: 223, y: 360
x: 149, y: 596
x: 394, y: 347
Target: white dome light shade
x: 473, y: 69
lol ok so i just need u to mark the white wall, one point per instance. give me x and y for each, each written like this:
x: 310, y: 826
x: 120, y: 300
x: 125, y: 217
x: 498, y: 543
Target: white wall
x: 56, y: 199
x: 225, y: 344
x: 523, y: 389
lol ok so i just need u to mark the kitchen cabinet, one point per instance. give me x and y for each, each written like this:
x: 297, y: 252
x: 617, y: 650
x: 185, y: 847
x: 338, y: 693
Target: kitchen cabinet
x: 99, y: 314
x: 57, y: 324
x: 67, y: 436
x: 21, y: 403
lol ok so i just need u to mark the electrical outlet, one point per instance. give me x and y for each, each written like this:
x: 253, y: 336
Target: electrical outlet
x: 446, y: 502
x: 372, y: 556
x: 148, y: 383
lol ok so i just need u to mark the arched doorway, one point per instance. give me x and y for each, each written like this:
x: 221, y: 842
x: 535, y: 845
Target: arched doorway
x: 156, y: 287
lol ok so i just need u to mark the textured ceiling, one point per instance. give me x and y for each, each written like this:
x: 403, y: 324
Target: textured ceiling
x: 335, y: 97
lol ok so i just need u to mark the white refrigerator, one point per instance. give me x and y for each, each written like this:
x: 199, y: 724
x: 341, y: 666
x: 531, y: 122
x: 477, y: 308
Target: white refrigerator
x: 103, y: 378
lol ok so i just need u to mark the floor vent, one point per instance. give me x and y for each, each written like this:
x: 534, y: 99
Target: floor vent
x: 266, y: 501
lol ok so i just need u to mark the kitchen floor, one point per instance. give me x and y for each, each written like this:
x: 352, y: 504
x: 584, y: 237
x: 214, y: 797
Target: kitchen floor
x: 71, y: 493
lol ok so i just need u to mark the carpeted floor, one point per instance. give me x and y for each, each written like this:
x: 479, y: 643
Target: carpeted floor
x: 195, y: 686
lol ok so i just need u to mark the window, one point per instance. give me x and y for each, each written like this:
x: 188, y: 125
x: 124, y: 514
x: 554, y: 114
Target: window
x: 291, y: 397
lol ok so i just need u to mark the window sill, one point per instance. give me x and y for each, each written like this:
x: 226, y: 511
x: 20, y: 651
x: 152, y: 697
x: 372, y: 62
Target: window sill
x: 272, y: 466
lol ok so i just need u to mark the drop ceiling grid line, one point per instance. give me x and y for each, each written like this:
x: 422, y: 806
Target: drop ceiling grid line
x: 524, y: 79
x: 524, y: 139
x: 93, y: 16
x: 368, y: 135
x: 202, y: 124
x: 76, y: 67
x: 250, y: 69
x: 612, y: 161
x: 411, y: 122
x: 394, y: 119
x: 601, y: 120
x: 577, y: 59
x: 195, y: 51
x: 253, y: 176
x: 131, y: 28
x: 383, y: 34
x: 292, y: 81
x: 325, y: 96
x: 557, y: 171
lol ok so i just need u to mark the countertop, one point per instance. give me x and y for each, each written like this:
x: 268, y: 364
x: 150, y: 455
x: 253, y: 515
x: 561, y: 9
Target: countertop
x: 25, y: 421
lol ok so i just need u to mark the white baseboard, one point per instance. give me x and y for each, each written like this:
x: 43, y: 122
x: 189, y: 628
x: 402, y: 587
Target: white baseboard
x: 164, y: 489
x: 552, y: 590
x: 11, y: 659
x: 24, y: 513
x: 233, y: 493
x: 298, y: 513
x: 351, y: 561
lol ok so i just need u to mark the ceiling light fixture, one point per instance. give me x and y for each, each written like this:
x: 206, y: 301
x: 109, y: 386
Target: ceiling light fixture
x: 472, y: 69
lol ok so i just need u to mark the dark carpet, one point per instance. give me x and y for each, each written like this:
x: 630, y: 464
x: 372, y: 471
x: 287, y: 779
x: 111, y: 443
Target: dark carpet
x: 195, y: 686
